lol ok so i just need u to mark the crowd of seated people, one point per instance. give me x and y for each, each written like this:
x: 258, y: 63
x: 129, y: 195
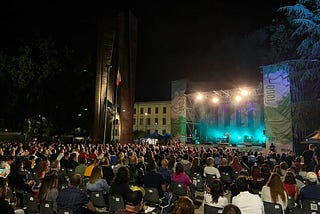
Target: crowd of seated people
x: 66, y: 174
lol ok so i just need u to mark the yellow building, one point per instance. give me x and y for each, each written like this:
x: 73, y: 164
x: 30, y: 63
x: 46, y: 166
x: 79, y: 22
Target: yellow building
x: 151, y: 117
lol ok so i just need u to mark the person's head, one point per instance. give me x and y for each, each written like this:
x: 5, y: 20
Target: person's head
x: 75, y: 179
x: 276, y: 187
x: 284, y: 165
x: 210, y: 161
x: 255, y: 172
x: 312, y: 147
x: 95, y: 174
x: 277, y: 170
x: 49, y: 182
x: 216, y: 190
x: 242, y: 184
x: 290, y: 178
x: 224, y: 162
x: 3, y: 187
x: 55, y: 165
x: 73, y: 156
x: 311, y: 177
x: 122, y: 176
x: 235, y: 160
x: 134, y: 202
x: 179, y: 168
x: 82, y: 161
x: 231, y: 209
x: 184, y: 205
x: 164, y: 163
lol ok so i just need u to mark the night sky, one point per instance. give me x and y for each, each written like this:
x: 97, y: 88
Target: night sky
x: 201, y: 40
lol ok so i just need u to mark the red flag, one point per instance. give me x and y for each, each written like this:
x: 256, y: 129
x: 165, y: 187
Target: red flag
x: 118, y: 78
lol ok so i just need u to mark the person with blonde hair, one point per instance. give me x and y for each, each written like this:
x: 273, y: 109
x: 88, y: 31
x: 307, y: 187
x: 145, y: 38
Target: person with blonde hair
x: 274, y: 191
x: 96, y: 183
x: 184, y: 205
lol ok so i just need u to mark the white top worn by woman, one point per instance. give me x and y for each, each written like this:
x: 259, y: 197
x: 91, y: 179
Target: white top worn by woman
x: 222, y: 201
x: 266, y: 196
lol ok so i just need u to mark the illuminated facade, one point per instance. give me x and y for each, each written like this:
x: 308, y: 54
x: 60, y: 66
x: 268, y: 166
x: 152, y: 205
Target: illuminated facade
x: 152, y: 117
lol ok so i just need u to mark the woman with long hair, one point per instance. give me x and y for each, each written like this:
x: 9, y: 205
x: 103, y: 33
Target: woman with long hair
x: 256, y: 181
x: 235, y: 164
x: 184, y: 205
x: 120, y: 186
x: 96, y: 182
x: 214, y: 195
x: 180, y: 176
x: 290, y: 185
x: 49, y: 189
x: 274, y: 191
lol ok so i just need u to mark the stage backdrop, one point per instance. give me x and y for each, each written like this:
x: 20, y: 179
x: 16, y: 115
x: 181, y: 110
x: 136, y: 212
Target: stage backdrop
x: 277, y: 105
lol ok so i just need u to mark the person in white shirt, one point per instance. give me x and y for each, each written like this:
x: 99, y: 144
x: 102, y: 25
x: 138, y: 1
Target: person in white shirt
x: 214, y: 195
x: 210, y: 169
x: 248, y: 203
x: 274, y: 191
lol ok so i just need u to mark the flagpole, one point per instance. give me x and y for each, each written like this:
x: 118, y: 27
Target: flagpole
x: 106, y: 107
x: 115, y: 115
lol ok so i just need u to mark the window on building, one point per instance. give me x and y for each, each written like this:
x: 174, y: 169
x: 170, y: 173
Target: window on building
x: 156, y: 121
x: 134, y: 111
x: 149, y: 110
x: 141, y: 110
x: 163, y: 131
x: 141, y: 121
x: 164, y: 110
x: 134, y: 121
x: 156, y: 131
x: 117, y: 121
x: 156, y: 110
x: 164, y: 121
x: 116, y: 132
x: 148, y: 132
x: 148, y: 121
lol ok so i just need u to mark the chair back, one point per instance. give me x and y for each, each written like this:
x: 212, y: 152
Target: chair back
x: 47, y: 208
x: 32, y: 204
x: 116, y: 202
x: 210, y: 209
x: 151, y: 197
x: 210, y: 178
x: 197, y: 182
x: 311, y: 206
x: 226, y: 177
x: 178, y: 189
x: 97, y: 199
x: 272, y: 208
x: 65, y: 211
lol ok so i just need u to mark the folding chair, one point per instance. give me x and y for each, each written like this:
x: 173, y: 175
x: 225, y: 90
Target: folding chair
x: 152, y: 199
x: 116, y: 202
x: 272, y: 208
x: 210, y: 209
x: 210, y: 178
x: 178, y: 189
x: 197, y: 182
x: 98, y: 201
x: 65, y: 211
x: 47, y: 208
x: 226, y: 179
x: 311, y: 206
x: 32, y: 204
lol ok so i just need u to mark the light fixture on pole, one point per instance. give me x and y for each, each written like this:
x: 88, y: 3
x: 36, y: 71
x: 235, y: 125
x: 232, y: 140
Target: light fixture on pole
x: 106, y: 106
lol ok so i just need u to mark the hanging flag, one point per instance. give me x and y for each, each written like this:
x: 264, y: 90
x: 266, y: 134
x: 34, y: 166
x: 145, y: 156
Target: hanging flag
x: 118, y: 78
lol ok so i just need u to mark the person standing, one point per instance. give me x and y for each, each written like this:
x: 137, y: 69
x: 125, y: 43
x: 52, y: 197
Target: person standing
x: 310, y: 159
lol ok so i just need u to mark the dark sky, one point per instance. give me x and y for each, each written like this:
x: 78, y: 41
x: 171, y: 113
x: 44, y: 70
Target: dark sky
x: 200, y: 40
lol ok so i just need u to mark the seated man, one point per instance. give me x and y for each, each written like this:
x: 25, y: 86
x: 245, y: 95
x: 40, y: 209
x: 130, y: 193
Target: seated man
x: 248, y: 203
x: 312, y: 189
x: 73, y: 198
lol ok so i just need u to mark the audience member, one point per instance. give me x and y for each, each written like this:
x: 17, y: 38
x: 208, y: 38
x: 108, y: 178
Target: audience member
x: 214, y: 195
x: 231, y: 209
x: 183, y: 205
x: 312, y: 189
x: 49, y: 189
x: 248, y: 203
x: 134, y: 203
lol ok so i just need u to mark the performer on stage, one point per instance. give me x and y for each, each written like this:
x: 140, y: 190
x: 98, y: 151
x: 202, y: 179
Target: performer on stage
x: 227, y: 137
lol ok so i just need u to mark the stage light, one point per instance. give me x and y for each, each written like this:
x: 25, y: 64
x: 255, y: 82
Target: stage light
x: 238, y: 98
x: 239, y: 137
x: 215, y: 100
x: 244, y: 92
x: 199, y: 97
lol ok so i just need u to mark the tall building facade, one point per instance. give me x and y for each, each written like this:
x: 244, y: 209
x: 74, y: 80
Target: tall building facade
x: 152, y: 117
x: 117, y: 47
